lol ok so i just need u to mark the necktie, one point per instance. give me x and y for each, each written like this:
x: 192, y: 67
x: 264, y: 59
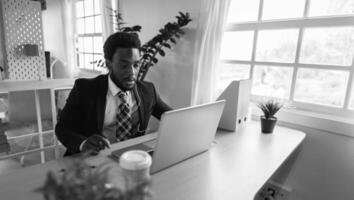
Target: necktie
x: 123, y: 118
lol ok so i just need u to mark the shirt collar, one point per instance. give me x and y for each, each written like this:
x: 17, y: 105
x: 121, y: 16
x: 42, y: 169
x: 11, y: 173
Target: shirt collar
x: 113, y: 88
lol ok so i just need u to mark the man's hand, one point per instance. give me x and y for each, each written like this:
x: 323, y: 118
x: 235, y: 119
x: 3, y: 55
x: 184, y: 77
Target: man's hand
x: 94, y: 144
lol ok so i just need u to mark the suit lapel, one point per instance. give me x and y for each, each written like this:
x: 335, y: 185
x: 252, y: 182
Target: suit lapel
x: 140, y: 104
x: 101, y: 101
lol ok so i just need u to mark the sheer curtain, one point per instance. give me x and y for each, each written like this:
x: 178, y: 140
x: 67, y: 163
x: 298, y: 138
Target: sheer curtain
x: 68, y: 19
x: 107, y: 19
x: 211, y: 24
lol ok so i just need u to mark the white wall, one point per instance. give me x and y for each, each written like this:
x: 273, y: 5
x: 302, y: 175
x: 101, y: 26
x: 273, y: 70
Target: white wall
x: 1, y: 46
x: 173, y: 74
x: 1, y: 41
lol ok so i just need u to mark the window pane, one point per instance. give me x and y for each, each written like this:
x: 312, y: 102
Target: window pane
x: 48, y: 139
x: 280, y: 9
x: 88, y: 7
x: 79, y: 5
x: 89, y: 25
x: 88, y: 59
x: 277, y: 45
x: 80, y: 26
x: 331, y: 7
x: 81, y: 44
x: 351, y: 103
x: 325, y: 87
x: 98, y: 45
x: 98, y: 24
x: 237, y: 45
x: 80, y: 60
x: 229, y: 72
x: 88, y: 44
x: 22, y: 144
x: 97, y: 6
x: 243, y: 11
x: 329, y: 46
x: 272, y: 81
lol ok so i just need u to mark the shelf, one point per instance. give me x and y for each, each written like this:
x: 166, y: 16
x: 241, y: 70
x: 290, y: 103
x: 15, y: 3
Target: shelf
x: 10, y: 86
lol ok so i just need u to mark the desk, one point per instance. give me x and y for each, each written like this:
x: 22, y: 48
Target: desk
x: 236, y: 167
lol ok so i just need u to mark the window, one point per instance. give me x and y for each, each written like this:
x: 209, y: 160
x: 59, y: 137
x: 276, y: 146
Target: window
x: 351, y: 104
x: 88, y: 34
x: 298, y: 50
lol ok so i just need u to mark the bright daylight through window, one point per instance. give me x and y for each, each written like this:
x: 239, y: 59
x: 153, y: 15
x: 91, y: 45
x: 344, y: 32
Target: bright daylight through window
x: 297, y: 50
x: 88, y: 34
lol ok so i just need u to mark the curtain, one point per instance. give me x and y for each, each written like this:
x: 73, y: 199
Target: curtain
x: 211, y: 25
x: 67, y: 14
x: 107, y: 20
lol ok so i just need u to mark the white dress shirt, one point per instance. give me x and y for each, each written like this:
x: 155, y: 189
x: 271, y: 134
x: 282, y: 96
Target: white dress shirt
x: 112, y: 103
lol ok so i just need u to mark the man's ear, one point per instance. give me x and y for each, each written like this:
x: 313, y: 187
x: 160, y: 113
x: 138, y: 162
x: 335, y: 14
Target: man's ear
x: 109, y: 64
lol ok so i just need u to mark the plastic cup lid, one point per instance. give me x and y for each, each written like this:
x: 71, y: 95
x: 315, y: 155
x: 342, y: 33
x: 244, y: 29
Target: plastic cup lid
x: 135, y: 160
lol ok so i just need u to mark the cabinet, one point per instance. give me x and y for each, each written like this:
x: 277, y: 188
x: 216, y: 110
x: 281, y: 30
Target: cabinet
x: 35, y: 130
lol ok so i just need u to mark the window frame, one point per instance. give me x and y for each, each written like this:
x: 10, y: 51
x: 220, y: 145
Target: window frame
x: 301, y: 24
x: 83, y: 35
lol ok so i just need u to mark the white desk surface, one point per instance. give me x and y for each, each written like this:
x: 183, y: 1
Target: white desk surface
x: 10, y: 86
x: 236, y: 167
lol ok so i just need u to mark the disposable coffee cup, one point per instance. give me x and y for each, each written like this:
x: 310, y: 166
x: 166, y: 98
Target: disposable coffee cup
x: 135, y: 165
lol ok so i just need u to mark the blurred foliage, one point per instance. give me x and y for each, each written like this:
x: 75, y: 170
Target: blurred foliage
x: 79, y: 181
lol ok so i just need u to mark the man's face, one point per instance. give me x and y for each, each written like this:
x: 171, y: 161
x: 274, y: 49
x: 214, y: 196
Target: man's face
x: 124, y: 67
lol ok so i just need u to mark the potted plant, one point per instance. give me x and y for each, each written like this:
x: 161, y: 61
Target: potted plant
x: 269, y: 109
x: 165, y: 39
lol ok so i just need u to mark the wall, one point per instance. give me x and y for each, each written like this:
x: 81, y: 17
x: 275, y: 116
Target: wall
x: 1, y: 47
x: 323, y: 168
x: 2, y: 43
x: 173, y: 74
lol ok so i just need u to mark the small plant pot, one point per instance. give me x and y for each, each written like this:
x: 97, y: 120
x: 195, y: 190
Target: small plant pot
x: 268, y: 125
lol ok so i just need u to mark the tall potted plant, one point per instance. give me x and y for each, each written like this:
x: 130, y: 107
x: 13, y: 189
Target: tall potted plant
x: 269, y: 109
x: 165, y: 39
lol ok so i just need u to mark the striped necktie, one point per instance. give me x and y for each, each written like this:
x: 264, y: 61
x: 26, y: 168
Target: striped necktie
x: 123, y: 123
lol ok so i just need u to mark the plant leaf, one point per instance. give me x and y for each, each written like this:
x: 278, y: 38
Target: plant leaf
x: 167, y: 45
x: 173, y: 40
x: 136, y: 28
x: 155, y: 60
x: 161, y: 52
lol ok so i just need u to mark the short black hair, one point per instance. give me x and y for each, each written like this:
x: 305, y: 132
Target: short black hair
x: 120, y: 40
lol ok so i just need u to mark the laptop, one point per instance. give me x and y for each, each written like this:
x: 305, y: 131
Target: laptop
x: 182, y: 133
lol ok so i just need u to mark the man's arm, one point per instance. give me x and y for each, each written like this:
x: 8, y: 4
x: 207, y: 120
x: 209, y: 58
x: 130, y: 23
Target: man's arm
x: 65, y: 129
x: 160, y: 106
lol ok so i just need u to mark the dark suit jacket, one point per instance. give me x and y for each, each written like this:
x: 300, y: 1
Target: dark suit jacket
x: 83, y: 114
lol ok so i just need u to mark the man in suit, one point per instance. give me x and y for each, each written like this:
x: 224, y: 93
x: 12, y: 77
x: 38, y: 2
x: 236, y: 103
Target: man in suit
x: 109, y: 108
